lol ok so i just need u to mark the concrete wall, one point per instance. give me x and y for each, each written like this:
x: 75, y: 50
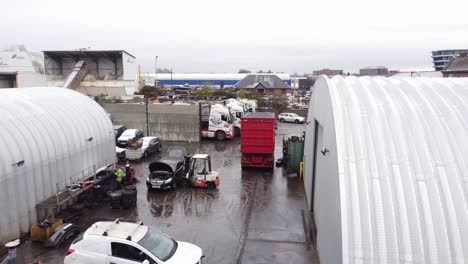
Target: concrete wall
x: 169, y: 122
x: 94, y: 88
x: 30, y: 79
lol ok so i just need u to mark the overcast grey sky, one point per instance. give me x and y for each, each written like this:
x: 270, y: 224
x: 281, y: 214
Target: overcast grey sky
x: 223, y: 36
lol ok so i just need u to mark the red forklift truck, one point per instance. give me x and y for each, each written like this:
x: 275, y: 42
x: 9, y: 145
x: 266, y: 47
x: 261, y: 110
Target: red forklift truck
x: 199, y: 172
x: 258, y: 140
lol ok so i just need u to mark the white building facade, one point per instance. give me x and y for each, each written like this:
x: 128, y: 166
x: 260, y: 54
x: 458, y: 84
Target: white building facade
x: 20, y: 68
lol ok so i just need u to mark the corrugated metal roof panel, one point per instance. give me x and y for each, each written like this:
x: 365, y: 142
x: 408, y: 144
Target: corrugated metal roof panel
x: 81, y: 53
x: 47, y: 135
x: 403, y: 160
x: 457, y: 64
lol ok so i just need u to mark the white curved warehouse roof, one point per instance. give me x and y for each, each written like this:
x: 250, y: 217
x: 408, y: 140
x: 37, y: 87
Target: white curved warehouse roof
x: 402, y: 167
x: 49, y: 131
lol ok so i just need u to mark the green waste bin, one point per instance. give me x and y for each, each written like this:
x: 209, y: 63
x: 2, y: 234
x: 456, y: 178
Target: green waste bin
x: 295, y: 154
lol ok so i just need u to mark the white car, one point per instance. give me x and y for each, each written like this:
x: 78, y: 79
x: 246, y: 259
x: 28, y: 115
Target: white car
x: 129, y: 243
x: 291, y: 117
x: 142, y: 147
x: 128, y: 134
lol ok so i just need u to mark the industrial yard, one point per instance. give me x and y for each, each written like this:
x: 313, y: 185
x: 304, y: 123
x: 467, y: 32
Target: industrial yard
x: 233, y: 132
x: 254, y: 216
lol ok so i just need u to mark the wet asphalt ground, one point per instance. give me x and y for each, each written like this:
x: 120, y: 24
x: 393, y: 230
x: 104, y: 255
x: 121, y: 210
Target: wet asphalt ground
x: 254, y: 216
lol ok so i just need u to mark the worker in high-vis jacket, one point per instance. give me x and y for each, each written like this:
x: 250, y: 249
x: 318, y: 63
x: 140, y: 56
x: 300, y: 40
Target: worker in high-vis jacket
x: 119, y: 174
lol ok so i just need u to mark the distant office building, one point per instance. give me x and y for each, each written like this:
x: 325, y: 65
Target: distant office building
x: 457, y: 67
x: 306, y: 84
x: 300, y: 83
x: 374, y: 71
x: 328, y: 72
x: 442, y: 57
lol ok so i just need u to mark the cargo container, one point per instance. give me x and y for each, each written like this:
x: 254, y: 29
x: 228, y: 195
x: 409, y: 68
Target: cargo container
x: 258, y: 140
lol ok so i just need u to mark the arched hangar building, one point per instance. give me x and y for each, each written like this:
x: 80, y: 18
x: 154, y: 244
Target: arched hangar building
x: 386, y: 169
x: 47, y: 135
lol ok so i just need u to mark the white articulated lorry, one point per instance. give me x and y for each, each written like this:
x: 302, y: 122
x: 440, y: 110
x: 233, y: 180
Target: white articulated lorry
x: 237, y: 110
x: 216, y: 122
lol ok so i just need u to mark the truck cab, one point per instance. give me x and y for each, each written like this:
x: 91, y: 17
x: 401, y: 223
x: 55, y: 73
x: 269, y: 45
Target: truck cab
x: 250, y: 106
x: 218, y: 123
x: 237, y: 111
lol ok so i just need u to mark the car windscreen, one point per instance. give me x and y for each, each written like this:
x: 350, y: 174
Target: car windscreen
x: 146, y: 143
x: 128, y: 133
x: 160, y: 245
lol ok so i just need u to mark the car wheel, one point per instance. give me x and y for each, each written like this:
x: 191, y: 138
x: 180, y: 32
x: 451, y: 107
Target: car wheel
x: 185, y: 183
x: 210, y: 185
x: 282, y: 120
x: 220, y: 136
x: 236, y: 131
x: 296, y: 121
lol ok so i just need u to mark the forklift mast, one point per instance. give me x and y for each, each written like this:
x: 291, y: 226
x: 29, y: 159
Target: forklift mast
x: 187, y: 159
x: 209, y: 163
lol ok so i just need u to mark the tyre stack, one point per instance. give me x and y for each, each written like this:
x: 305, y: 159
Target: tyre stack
x: 129, y: 197
x: 98, y: 194
x: 115, y: 199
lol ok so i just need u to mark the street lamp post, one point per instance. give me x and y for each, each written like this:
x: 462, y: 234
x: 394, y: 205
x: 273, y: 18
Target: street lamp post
x: 156, y: 71
x: 147, y: 115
